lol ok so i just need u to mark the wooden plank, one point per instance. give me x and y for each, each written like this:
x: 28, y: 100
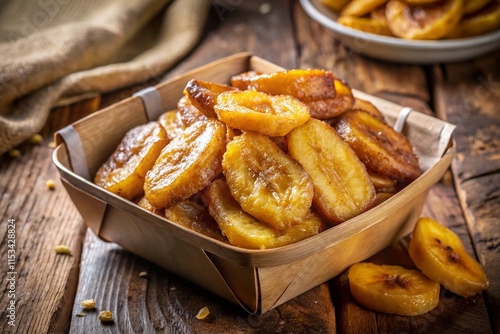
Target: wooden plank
x: 468, y: 95
x: 165, y: 302
x: 45, y: 283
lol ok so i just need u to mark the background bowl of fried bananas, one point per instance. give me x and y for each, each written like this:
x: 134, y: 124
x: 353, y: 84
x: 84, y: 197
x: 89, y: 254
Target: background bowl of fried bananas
x: 412, y: 31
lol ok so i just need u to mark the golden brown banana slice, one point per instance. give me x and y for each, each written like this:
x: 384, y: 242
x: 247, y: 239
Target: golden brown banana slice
x: 380, y: 147
x: 267, y: 183
x: 440, y: 254
x: 431, y: 21
x: 392, y: 289
x: 328, y: 108
x: 366, y: 24
x: 484, y: 21
x: 242, y: 80
x: 335, y: 5
x: 360, y: 7
x: 270, y: 115
x: 304, y: 84
x: 420, y: 2
x: 342, y: 187
x: 144, y: 203
x: 243, y: 230
x: 195, y: 217
x: 172, y: 123
x: 368, y: 107
x: 187, y: 164
x: 189, y: 114
x: 381, y: 198
x: 382, y: 183
x: 124, y: 171
x: 203, y: 95
x: 471, y: 6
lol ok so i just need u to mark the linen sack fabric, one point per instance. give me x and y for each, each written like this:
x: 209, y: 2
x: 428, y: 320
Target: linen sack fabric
x: 53, y: 49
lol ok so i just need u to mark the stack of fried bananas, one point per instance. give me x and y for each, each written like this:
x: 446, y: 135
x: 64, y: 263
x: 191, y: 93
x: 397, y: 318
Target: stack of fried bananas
x: 419, y: 19
x: 262, y: 162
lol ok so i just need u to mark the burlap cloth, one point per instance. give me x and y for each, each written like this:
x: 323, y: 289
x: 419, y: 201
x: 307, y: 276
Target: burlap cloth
x: 52, y: 49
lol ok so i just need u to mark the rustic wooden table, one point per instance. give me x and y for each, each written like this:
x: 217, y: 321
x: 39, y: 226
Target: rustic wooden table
x: 47, y: 288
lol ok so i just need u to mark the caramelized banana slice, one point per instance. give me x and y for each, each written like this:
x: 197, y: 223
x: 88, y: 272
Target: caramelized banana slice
x: 187, y: 164
x: 189, y: 114
x: 478, y: 23
x: 342, y: 188
x: 441, y: 255
x: 361, y: 7
x: 172, y: 123
x: 195, y: 217
x: 368, y: 107
x: 430, y: 21
x: 328, y: 108
x: 144, y: 203
x: 242, y: 80
x: 472, y: 6
x: 382, y: 183
x: 124, y: 171
x: 379, y: 146
x: 267, y: 183
x: 392, y: 289
x: 243, y: 230
x: 366, y: 24
x: 203, y: 95
x: 335, y: 5
x: 270, y: 115
x: 304, y: 84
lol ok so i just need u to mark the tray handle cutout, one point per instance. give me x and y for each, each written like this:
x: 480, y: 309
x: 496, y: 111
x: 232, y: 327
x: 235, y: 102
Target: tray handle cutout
x: 74, y: 147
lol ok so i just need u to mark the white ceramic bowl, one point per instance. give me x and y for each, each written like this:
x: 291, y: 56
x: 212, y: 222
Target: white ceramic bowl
x: 400, y: 50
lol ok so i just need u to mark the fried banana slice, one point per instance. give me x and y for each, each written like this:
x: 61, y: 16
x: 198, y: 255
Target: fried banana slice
x: 431, y: 21
x: 242, y: 80
x: 203, y: 95
x: 478, y: 23
x: 335, y: 5
x: 267, y: 183
x: 366, y: 24
x: 392, y: 289
x: 304, y: 84
x: 472, y: 6
x: 342, y: 187
x: 172, y: 123
x: 189, y: 114
x: 382, y: 183
x: 368, y: 107
x: 144, y: 203
x: 378, y: 146
x: 440, y: 254
x: 195, y: 217
x: 361, y: 7
x: 124, y: 171
x: 187, y: 164
x: 270, y: 115
x: 328, y: 108
x: 243, y: 230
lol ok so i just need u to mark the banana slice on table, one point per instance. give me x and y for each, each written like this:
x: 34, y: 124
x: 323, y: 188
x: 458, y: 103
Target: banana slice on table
x: 378, y: 146
x: 342, y: 187
x: 244, y: 230
x: 392, y: 289
x: 124, y: 171
x: 440, y: 254
x: 481, y: 22
x: 266, y: 182
x: 187, y: 164
x: 432, y: 21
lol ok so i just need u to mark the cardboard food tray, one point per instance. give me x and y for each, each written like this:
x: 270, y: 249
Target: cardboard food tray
x: 257, y: 280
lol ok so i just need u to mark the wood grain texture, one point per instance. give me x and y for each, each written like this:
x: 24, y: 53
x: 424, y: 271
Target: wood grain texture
x: 468, y: 95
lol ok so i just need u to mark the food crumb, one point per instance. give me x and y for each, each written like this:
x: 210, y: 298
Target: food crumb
x: 51, y: 184
x: 14, y: 153
x: 36, y: 139
x: 143, y: 274
x: 80, y: 314
x: 88, y: 304
x: 106, y: 316
x: 265, y: 8
x: 62, y: 249
x: 52, y: 144
x: 203, y: 313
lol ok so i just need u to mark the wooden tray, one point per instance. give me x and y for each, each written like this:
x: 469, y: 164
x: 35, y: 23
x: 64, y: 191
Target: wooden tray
x: 257, y: 280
